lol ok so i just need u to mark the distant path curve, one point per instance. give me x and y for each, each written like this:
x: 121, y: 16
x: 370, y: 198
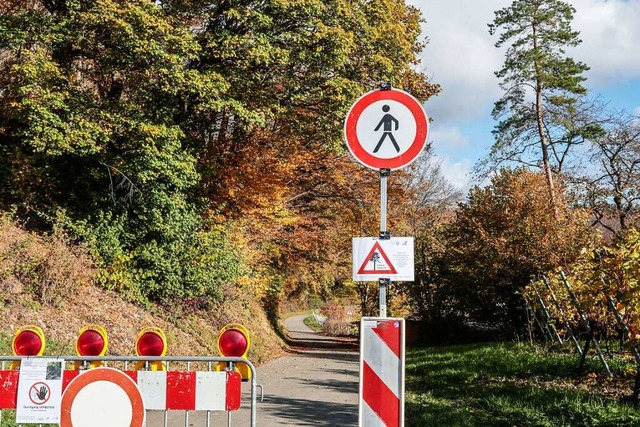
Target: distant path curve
x: 316, y: 384
x: 303, y: 338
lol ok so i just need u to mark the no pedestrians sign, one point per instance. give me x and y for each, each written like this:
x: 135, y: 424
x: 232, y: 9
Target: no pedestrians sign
x: 386, y: 129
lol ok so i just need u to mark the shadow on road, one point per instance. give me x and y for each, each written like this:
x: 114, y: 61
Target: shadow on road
x: 342, y: 355
x: 336, y: 385
x: 309, y: 412
x: 301, y: 342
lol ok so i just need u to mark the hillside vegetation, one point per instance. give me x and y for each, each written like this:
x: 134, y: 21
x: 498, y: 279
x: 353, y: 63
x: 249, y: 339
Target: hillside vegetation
x: 194, y: 149
x: 50, y: 282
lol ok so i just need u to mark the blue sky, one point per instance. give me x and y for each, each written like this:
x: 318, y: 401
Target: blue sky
x: 461, y: 57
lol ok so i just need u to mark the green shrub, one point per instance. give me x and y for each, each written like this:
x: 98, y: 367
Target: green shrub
x: 172, y: 258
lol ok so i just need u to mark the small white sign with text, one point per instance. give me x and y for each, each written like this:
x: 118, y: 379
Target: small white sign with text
x: 39, y: 391
x: 375, y: 258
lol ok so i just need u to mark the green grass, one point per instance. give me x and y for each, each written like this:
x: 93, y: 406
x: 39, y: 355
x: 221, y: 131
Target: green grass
x: 311, y: 322
x: 508, y: 385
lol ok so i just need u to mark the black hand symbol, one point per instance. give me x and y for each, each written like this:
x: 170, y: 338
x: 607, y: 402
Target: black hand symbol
x: 42, y: 393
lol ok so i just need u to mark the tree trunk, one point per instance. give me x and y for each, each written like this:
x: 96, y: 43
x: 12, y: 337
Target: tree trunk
x: 544, y: 144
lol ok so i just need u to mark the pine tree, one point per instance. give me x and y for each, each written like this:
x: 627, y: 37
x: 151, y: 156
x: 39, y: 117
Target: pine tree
x: 537, y: 77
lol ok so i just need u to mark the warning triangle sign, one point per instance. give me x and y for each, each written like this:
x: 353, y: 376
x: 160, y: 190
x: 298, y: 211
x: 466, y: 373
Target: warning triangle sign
x: 377, y: 262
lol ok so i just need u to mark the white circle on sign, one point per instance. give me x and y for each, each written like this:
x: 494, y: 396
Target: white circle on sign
x: 101, y: 404
x: 386, y: 129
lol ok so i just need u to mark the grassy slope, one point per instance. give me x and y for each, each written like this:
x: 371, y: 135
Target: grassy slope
x: 311, y: 322
x: 47, y: 282
x: 510, y: 385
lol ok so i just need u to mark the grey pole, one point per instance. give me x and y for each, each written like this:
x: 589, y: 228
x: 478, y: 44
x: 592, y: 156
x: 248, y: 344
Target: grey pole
x: 384, y: 176
x: 384, y: 234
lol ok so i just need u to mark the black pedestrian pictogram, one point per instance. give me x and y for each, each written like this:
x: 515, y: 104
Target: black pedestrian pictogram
x: 386, y: 122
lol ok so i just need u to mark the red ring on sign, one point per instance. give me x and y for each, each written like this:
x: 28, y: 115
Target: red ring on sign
x: 371, y: 161
x: 103, y: 374
x: 47, y: 396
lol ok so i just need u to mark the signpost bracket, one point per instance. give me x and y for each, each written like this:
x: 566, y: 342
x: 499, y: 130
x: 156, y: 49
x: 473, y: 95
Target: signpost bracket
x: 385, y: 86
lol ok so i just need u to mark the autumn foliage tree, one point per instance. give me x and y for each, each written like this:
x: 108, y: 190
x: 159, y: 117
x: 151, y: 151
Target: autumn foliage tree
x: 195, y: 144
x: 502, y: 237
x: 430, y: 205
x: 603, y: 281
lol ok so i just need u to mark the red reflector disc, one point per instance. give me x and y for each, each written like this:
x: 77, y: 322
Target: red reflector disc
x: 90, y: 343
x: 27, y: 343
x: 150, y: 344
x: 233, y: 343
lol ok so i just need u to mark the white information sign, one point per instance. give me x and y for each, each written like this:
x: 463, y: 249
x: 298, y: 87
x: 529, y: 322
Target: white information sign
x: 39, y: 391
x: 375, y: 258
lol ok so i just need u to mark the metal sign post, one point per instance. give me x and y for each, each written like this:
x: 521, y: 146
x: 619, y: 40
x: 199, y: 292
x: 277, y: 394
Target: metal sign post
x: 385, y: 130
x: 384, y: 235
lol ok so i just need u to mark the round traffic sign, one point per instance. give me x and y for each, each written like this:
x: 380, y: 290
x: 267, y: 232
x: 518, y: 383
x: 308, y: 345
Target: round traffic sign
x: 386, y: 129
x: 102, y: 397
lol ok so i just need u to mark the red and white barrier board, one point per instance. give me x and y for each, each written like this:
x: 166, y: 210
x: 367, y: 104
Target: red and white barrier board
x: 161, y: 390
x: 190, y: 391
x: 381, y: 372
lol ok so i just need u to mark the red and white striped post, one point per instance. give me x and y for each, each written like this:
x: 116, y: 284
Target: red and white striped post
x: 382, y: 353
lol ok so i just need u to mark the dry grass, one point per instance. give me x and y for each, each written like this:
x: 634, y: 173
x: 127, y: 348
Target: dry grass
x: 48, y: 267
x: 47, y: 281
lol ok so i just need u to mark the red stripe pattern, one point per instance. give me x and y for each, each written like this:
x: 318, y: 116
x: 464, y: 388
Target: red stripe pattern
x: 180, y: 388
x: 390, y: 335
x: 380, y: 398
x: 382, y: 373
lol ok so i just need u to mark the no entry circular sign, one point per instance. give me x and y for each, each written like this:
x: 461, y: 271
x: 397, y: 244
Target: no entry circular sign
x: 102, y: 397
x: 386, y: 129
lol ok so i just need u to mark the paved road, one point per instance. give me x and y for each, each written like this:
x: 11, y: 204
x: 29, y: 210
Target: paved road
x: 315, y: 385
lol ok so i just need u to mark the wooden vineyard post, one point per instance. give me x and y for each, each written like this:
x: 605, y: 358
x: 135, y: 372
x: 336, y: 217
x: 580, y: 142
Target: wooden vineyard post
x: 573, y: 336
x: 636, y: 353
x: 590, y: 331
x: 545, y: 311
x: 620, y: 320
x: 545, y: 330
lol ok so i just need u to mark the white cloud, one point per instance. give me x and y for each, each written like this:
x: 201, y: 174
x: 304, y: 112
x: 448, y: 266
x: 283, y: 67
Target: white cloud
x: 457, y: 173
x: 610, y: 39
x: 462, y: 58
x: 445, y: 137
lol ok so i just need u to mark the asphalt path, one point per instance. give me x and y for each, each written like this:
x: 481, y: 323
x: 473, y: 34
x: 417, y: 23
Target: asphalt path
x: 316, y: 384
